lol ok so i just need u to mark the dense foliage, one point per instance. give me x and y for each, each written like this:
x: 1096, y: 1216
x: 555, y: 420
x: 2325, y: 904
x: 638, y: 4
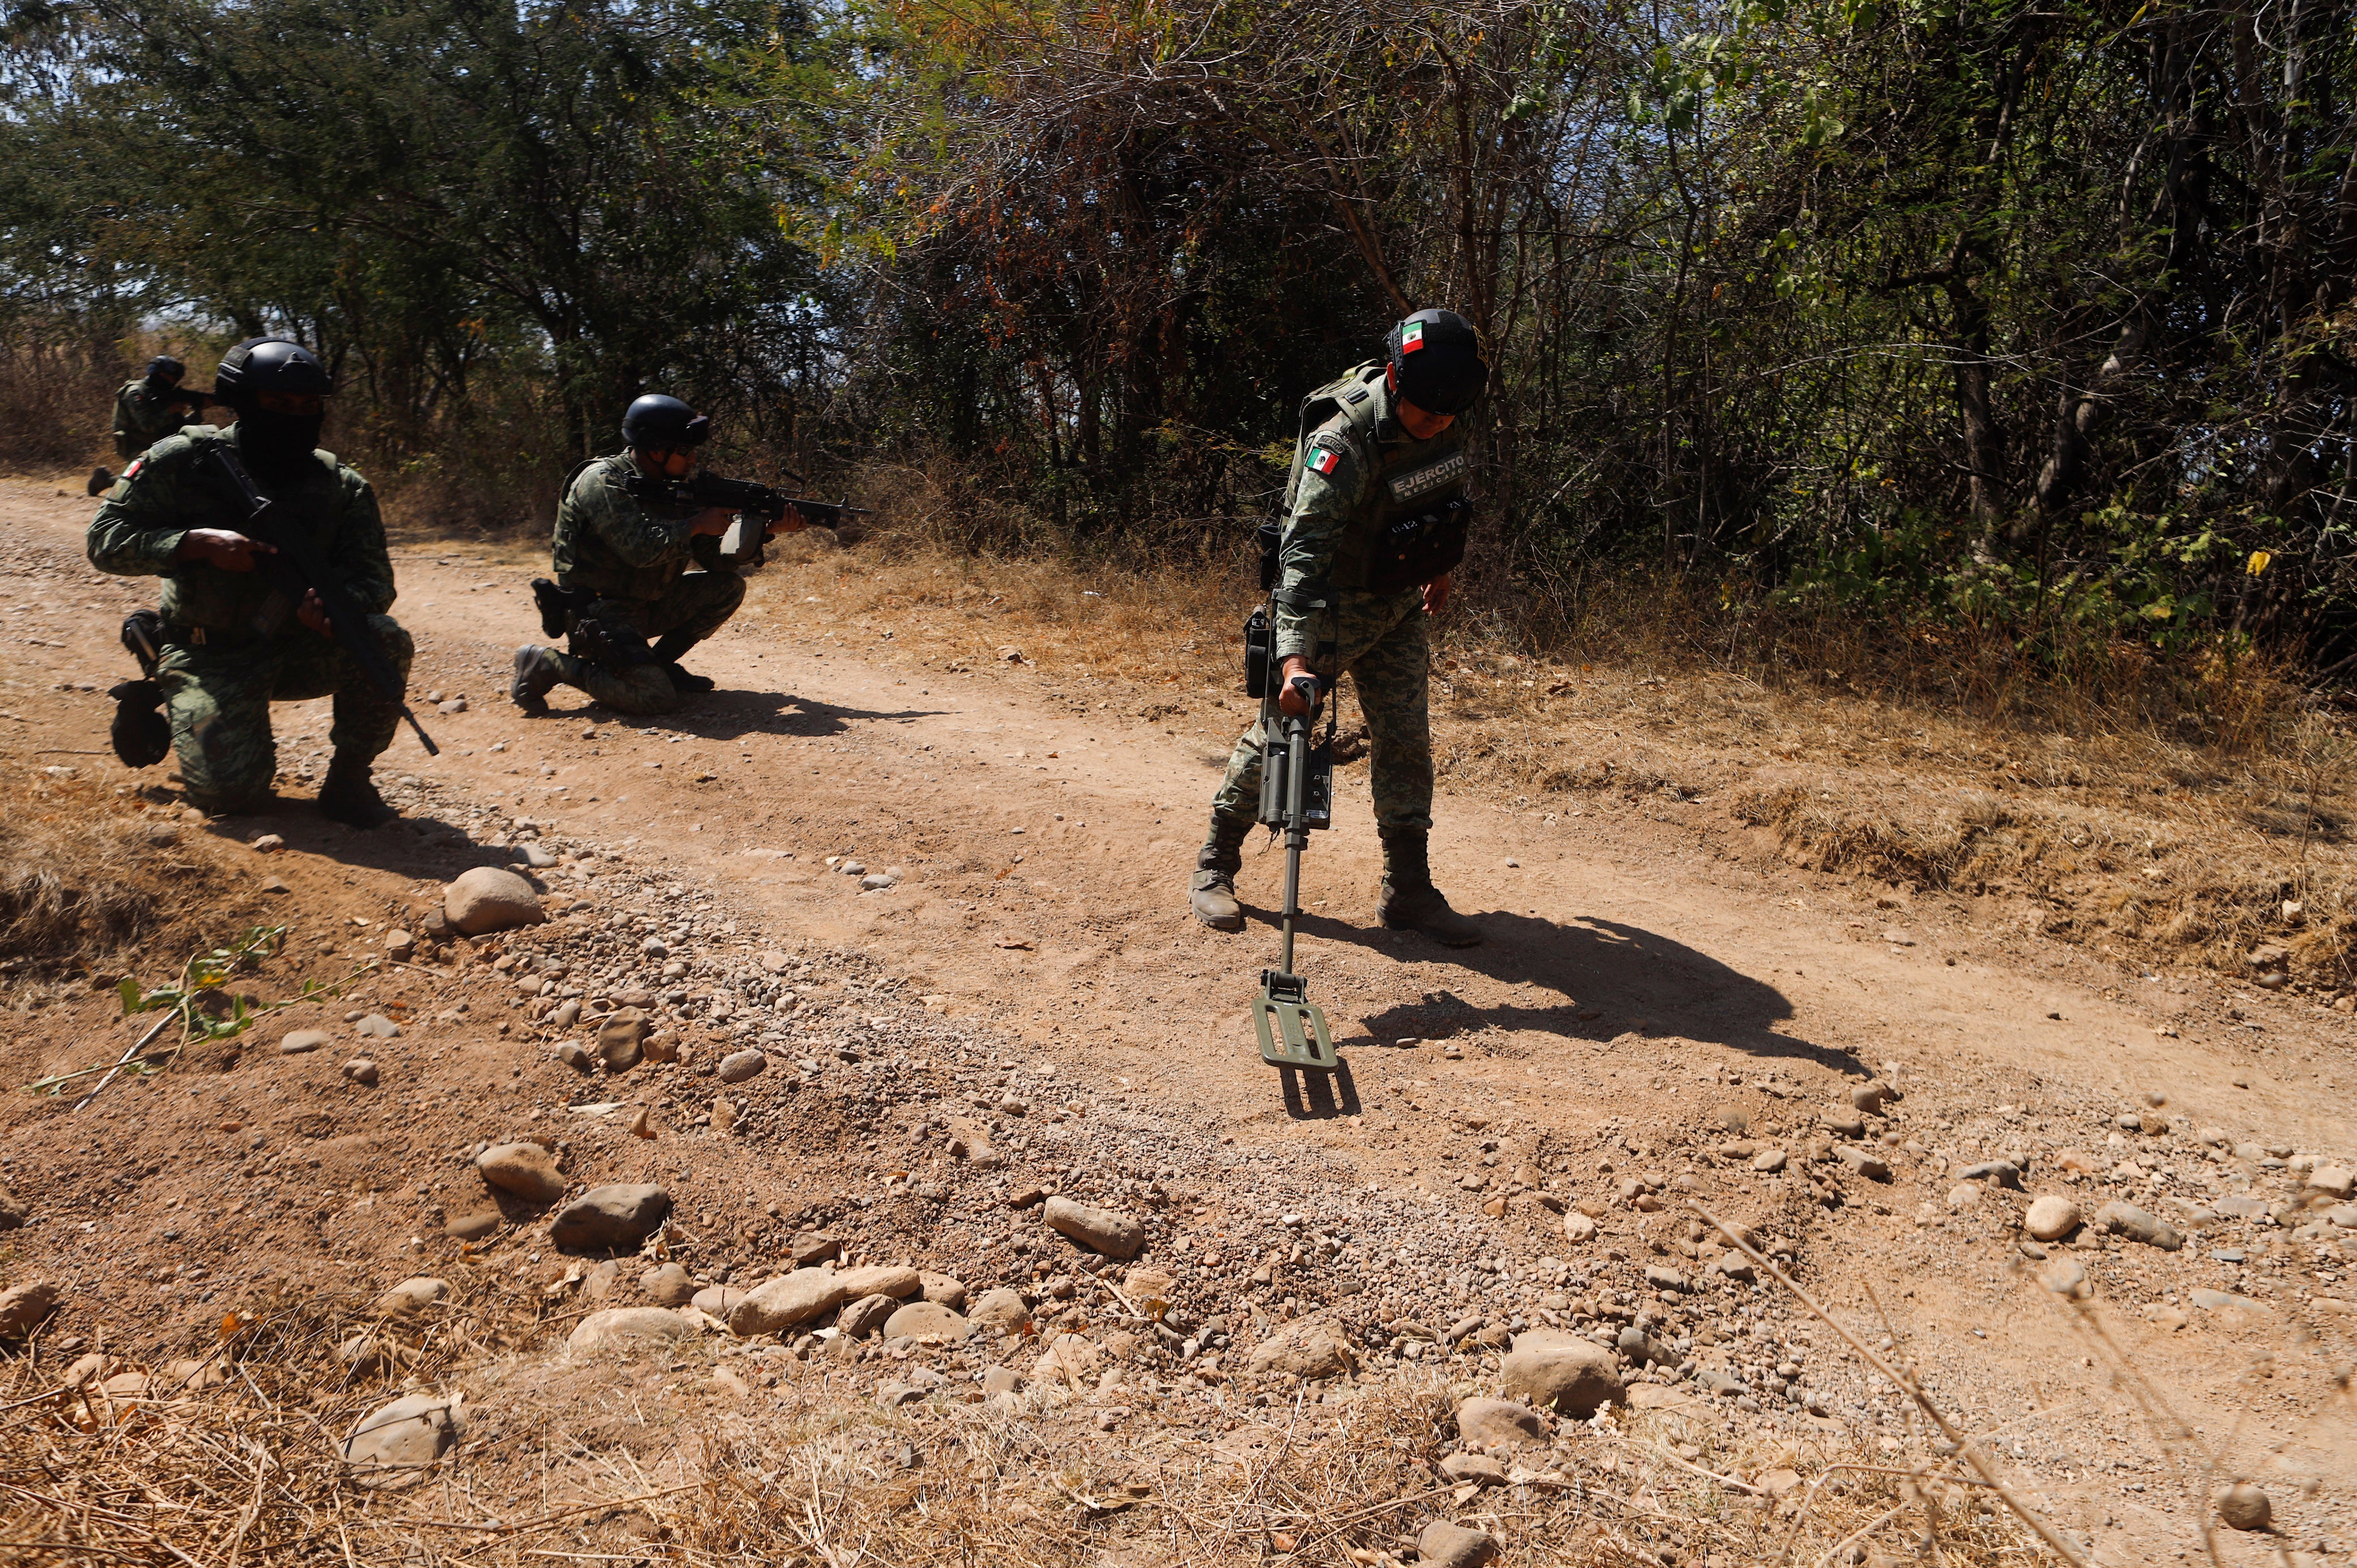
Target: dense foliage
x: 2034, y: 321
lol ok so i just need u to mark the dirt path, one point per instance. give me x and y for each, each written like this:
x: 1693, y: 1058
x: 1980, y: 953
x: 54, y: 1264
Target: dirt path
x: 1648, y: 965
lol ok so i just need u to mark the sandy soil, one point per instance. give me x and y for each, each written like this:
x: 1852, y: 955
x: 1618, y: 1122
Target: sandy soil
x: 1657, y: 986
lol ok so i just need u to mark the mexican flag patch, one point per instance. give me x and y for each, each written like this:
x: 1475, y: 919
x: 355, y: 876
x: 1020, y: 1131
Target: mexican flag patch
x: 1324, y: 459
x: 1411, y: 336
x: 137, y: 464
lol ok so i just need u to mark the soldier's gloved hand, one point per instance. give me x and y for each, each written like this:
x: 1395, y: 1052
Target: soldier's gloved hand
x: 1299, y: 696
x: 313, y: 612
x: 713, y: 520
x: 222, y: 547
x: 1435, y: 595
x: 790, y: 521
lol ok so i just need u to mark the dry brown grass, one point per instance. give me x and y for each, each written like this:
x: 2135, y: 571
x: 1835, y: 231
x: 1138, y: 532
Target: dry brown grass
x: 85, y: 872
x: 239, y: 1460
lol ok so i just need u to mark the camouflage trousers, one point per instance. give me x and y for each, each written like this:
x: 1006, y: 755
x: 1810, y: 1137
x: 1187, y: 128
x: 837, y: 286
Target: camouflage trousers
x: 1380, y: 640
x: 217, y: 696
x: 695, y: 605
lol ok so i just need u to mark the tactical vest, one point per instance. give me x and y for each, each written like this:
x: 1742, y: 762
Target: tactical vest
x: 1408, y: 482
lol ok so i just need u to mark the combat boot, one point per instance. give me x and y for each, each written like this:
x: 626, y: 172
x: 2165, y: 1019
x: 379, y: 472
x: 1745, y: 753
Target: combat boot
x: 1410, y: 902
x: 667, y: 650
x: 349, y: 795
x: 538, y: 671
x: 1212, y: 890
x: 101, y: 481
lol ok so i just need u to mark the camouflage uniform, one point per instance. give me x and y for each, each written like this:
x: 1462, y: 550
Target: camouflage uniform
x: 634, y: 555
x: 218, y: 675
x: 1352, y: 475
x: 143, y: 416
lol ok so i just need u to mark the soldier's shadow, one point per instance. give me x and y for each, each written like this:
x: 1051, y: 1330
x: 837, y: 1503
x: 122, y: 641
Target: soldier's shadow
x: 1594, y: 979
x: 736, y: 716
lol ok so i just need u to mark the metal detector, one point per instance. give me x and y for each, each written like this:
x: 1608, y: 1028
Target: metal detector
x: 1297, y: 795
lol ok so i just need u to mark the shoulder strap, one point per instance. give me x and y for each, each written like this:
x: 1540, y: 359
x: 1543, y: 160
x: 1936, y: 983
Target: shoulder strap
x: 1339, y: 402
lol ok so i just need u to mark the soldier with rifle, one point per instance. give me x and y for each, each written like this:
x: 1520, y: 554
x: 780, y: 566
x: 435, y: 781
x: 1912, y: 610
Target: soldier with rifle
x: 276, y: 581
x: 627, y: 531
x: 148, y: 409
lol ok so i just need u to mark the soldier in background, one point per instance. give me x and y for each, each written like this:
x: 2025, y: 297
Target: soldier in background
x: 633, y: 608
x: 147, y: 410
x: 1376, y: 510
x: 169, y: 517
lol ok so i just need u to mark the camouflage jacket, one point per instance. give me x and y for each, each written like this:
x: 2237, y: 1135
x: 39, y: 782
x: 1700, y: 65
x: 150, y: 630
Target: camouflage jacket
x: 170, y: 491
x: 613, y: 544
x: 1352, y: 476
x: 142, y: 417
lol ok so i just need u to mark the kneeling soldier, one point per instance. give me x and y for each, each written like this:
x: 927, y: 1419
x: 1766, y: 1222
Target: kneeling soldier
x: 622, y: 558
x: 231, y: 646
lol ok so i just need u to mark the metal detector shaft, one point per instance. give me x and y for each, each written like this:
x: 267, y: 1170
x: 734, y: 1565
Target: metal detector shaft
x: 1296, y: 833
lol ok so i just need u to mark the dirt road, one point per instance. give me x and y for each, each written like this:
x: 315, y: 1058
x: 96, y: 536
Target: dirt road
x: 1648, y: 964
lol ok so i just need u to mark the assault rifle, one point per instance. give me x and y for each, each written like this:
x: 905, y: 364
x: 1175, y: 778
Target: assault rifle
x: 758, y: 508
x: 295, y: 568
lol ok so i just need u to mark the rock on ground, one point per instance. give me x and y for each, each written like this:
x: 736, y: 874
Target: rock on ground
x: 717, y: 1301
x: 295, y: 1042
x: 737, y: 1067
x: 1446, y: 1545
x: 22, y: 1308
x: 1555, y: 1370
x: 411, y: 1297
x: 1001, y: 1308
x: 13, y: 1212
x: 926, y: 1320
x: 405, y: 1435
x: 630, y: 1328
x: 611, y: 1218
x: 894, y: 1280
x: 1313, y: 1348
x: 788, y: 1302
x: 866, y: 1315
x: 942, y: 1290
x: 2244, y: 1507
x: 2126, y: 1220
x: 1115, y: 1234
x: 489, y: 898
x: 2051, y: 1217
x: 1502, y: 1423
x: 526, y: 1170
x: 473, y: 1227
x: 668, y: 1284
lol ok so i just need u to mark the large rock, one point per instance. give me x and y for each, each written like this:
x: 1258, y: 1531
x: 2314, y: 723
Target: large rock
x: 737, y: 1067
x: 1001, y: 1308
x: 1502, y: 1423
x: 1446, y: 1545
x: 1115, y: 1234
x: 942, y: 1290
x: 1555, y: 1370
x: 630, y: 1328
x: 525, y: 1170
x: 894, y: 1280
x: 788, y: 1302
x: 611, y: 1218
x: 2051, y: 1217
x: 22, y: 1308
x: 406, y: 1435
x: 412, y: 1296
x: 489, y: 898
x: 1312, y: 1348
x: 926, y: 1320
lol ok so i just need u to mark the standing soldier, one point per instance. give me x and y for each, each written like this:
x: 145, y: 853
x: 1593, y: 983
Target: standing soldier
x: 622, y: 558
x: 231, y: 646
x: 147, y: 410
x: 1376, y: 508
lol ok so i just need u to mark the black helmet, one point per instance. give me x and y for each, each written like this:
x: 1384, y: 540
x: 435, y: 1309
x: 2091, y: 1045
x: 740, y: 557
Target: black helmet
x: 1436, y: 357
x: 661, y: 424
x: 271, y: 365
x: 164, y: 367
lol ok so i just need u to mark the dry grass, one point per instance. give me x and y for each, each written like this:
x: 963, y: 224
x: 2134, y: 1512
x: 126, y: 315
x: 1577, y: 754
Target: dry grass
x: 236, y: 1456
x: 85, y: 872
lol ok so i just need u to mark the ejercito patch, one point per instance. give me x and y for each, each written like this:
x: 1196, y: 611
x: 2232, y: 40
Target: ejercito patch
x: 1431, y: 477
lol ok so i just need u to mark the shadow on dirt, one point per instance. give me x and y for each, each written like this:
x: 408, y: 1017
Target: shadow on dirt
x: 736, y: 716
x: 1606, y: 979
